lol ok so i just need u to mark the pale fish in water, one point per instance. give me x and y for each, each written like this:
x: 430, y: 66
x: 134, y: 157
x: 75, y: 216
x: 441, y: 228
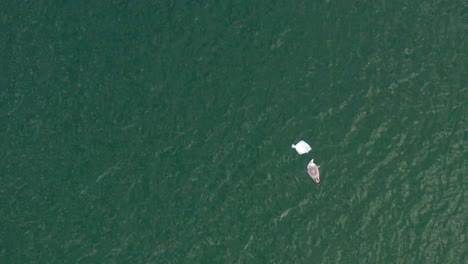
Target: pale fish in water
x: 301, y: 147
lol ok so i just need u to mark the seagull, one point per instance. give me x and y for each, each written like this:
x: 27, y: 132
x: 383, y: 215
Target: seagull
x: 313, y: 171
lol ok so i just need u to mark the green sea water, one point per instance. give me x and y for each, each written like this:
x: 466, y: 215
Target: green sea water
x: 161, y: 131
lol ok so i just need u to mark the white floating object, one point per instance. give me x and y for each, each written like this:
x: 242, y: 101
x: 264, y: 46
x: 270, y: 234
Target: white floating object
x: 313, y: 171
x: 301, y: 147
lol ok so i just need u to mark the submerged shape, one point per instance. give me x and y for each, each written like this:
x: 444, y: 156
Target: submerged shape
x: 301, y: 147
x: 313, y: 171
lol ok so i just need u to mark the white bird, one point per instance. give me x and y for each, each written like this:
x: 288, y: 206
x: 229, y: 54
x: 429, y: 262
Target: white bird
x: 301, y: 147
x: 313, y: 171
